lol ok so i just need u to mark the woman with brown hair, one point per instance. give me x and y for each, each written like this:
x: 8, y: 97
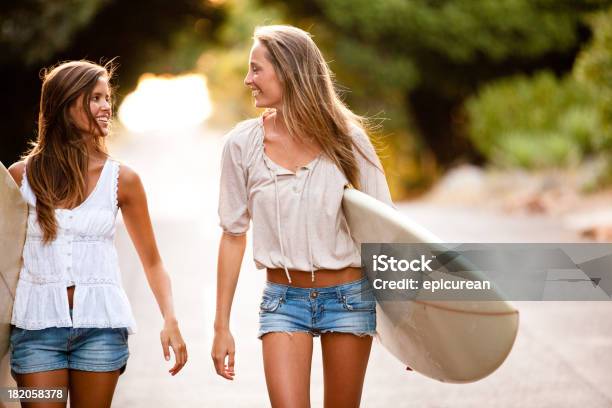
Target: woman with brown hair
x: 71, y: 316
x: 286, y: 172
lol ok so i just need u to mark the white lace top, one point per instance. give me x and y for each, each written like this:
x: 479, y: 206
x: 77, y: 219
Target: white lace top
x: 83, y: 254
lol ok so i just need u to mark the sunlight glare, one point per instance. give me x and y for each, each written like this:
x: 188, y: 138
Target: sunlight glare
x: 166, y: 102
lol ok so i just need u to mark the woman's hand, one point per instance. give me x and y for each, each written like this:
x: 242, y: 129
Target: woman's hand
x: 231, y: 251
x: 132, y: 200
x: 223, y: 346
x: 170, y: 337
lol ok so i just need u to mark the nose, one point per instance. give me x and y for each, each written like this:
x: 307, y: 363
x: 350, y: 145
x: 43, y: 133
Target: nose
x: 106, y: 105
x: 248, y: 80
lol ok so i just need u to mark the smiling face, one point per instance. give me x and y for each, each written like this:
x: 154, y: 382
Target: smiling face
x: 99, y: 105
x: 265, y: 85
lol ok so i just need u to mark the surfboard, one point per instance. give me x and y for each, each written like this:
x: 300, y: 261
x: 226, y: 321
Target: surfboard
x: 13, y: 219
x: 450, y: 341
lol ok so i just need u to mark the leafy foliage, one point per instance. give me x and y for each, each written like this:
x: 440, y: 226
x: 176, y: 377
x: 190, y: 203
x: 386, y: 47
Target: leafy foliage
x: 226, y: 63
x: 449, y: 43
x: 535, y: 122
x: 594, y: 67
x: 33, y: 30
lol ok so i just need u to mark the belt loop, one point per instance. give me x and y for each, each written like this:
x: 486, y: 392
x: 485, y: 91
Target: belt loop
x: 338, y: 292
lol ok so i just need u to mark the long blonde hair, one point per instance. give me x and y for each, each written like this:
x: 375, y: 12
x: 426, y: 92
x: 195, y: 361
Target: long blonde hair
x: 310, y: 104
x: 58, y: 161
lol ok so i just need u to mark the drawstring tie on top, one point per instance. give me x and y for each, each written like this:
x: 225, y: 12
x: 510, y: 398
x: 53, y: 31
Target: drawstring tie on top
x: 279, y: 232
x: 278, y: 227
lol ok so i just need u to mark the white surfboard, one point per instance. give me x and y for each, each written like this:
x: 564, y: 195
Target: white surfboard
x: 450, y: 341
x: 13, y: 219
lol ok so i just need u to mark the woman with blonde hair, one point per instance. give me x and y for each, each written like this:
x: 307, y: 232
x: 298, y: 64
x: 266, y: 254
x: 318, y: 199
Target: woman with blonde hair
x: 71, y: 316
x: 286, y: 171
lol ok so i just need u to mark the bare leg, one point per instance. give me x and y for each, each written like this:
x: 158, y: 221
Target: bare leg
x: 45, y: 379
x: 287, y: 359
x: 92, y: 389
x: 345, y: 359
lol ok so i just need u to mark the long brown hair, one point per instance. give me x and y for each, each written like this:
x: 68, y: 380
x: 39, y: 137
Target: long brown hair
x: 58, y: 160
x: 310, y: 103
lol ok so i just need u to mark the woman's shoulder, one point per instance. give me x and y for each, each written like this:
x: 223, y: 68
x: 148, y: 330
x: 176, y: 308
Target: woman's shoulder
x: 358, y: 133
x: 243, y: 140
x: 365, y: 148
x: 243, y: 131
x: 126, y: 175
x: 16, y: 170
x: 362, y: 140
x: 128, y: 186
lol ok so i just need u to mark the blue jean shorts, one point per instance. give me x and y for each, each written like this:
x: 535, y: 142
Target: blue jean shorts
x: 54, y: 348
x: 345, y: 308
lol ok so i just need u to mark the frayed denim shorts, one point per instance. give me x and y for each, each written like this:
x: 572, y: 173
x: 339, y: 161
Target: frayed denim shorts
x: 345, y: 308
x: 54, y: 348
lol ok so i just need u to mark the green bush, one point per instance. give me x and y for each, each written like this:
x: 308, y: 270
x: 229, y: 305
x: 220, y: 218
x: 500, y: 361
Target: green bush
x: 535, y: 122
x: 594, y: 69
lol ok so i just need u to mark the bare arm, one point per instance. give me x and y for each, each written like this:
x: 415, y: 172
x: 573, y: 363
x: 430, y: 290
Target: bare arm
x: 231, y: 252
x: 133, y: 203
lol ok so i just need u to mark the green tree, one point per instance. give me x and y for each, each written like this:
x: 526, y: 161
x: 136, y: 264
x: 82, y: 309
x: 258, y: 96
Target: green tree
x: 594, y: 69
x: 535, y: 122
x: 225, y: 64
x: 34, y: 30
x: 594, y: 66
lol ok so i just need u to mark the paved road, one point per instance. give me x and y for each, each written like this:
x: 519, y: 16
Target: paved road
x: 562, y: 355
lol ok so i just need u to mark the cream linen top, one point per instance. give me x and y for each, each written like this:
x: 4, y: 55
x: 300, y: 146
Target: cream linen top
x: 83, y: 254
x: 298, y: 222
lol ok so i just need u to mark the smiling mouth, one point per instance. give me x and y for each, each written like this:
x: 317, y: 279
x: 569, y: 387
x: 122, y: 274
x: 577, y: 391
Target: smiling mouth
x: 255, y: 92
x: 103, y: 119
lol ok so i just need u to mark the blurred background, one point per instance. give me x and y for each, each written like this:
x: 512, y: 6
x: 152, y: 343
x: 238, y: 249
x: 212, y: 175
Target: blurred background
x: 493, y: 120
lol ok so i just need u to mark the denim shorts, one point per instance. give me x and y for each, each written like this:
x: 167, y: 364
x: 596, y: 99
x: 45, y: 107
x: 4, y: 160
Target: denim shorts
x: 345, y: 308
x: 54, y: 348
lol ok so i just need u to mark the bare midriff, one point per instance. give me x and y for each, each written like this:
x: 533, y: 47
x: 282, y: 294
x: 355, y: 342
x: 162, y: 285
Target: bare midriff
x: 70, y: 295
x: 323, y: 277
